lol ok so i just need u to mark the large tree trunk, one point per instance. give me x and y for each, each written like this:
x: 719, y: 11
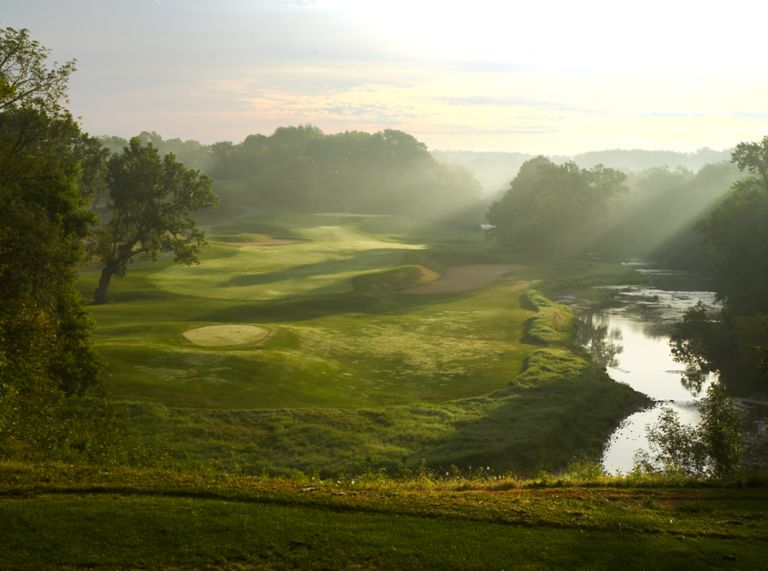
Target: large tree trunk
x: 101, y: 295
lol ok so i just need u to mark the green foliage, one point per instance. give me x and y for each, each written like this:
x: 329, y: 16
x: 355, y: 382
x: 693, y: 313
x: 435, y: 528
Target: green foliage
x: 43, y: 219
x: 45, y: 426
x: 656, y: 218
x: 720, y: 429
x: 553, y: 210
x: 219, y: 520
x: 301, y: 168
x: 49, y: 171
x: 153, y: 201
x: 738, y: 236
x: 553, y: 322
x: 191, y: 153
x: 713, y: 448
x: 733, y: 344
x: 676, y: 448
x: 28, y: 81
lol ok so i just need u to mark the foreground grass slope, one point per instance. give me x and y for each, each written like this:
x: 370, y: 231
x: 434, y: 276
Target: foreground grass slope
x: 355, y: 373
x: 89, y: 518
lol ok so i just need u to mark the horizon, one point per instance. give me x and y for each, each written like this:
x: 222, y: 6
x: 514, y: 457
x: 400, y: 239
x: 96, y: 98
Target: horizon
x: 552, y: 79
x: 430, y: 149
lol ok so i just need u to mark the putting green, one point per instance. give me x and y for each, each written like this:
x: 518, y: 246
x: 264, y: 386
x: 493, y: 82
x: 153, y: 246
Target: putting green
x: 225, y: 335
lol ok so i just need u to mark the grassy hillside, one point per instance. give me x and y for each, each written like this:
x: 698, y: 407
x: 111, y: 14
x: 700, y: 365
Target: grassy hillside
x: 316, y: 348
x: 355, y: 372
x: 150, y: 519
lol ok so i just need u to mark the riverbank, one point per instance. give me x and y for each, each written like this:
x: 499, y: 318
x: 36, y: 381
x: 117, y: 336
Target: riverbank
x: 626, y: 328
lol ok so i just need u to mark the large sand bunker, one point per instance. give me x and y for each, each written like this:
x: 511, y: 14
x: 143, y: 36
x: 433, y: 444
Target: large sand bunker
x: 464, y: 278
x: 225, y: 335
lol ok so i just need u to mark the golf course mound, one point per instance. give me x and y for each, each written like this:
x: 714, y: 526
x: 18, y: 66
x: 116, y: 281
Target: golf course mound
x: 225, y: 335
x: 252, y: 240
x: 464, y: 278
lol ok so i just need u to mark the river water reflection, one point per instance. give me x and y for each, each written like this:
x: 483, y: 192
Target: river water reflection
x: 632, y: 340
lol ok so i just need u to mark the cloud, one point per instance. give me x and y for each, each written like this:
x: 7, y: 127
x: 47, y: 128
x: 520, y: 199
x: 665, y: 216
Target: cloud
x: 510, y: 101
x: 750, y: 115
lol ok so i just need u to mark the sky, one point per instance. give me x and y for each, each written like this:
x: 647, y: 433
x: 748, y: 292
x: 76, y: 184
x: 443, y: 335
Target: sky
x: 552, y: 77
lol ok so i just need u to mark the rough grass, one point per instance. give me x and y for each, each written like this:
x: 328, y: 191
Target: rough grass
x: 552, y: 323
x: 463, y: 278
x: 346, y: 382
x: 84, y: 517
x: 366, y: 347
x: 524, y: 430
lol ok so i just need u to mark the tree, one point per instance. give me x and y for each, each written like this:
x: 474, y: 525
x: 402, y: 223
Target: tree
x: 736, y: 232
x: 389, y: 172
x: 713, y: 448
x: 553, y: 210
x: 44, y: 218
x: 26, y: 80
x: 152, y: 205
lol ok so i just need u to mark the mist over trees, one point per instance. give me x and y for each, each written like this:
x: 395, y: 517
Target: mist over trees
x: 656, y: 219
x: 392, y: 173
x: 554, y: 210
x: 191, y: 153
x: 300, y: 167
x: 389, y: 172
x: 495, y: 170
x: 650, y: 215
x: 736, y: 343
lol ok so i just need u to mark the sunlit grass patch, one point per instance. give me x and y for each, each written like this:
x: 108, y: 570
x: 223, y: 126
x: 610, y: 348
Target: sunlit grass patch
x: 324, y: 261
x: 553, y: 323
x: 352, y: 378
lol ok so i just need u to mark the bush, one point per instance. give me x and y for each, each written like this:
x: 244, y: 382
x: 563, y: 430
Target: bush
x: 714, y: 448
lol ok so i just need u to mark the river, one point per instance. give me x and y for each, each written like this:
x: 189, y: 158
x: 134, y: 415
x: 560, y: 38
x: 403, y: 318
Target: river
x: 631, y: 338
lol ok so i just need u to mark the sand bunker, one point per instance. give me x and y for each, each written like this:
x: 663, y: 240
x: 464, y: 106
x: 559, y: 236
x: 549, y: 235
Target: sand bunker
x: 464, y: 278
x: 225, y: 335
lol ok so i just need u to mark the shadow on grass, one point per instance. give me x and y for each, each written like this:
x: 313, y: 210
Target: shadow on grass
x: 299, y: 309
x: 359, y: 261
x: 523, y: 429
x: 544, y: 427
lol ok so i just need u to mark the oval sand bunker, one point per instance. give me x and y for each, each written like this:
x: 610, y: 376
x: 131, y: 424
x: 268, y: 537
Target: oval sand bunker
x: 225, y: 335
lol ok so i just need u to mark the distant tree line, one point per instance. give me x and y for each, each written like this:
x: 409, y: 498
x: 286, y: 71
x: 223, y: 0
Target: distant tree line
x: 607, y: 214
x: 656, y: 219
x: 554, y: 211
x: 494, y: 169
x: 302, y: 168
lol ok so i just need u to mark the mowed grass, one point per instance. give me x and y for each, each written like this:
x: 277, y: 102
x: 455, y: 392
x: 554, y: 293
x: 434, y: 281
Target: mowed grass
x: 354, y: 375
x: 335, y: 339
x: 148, y: 519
